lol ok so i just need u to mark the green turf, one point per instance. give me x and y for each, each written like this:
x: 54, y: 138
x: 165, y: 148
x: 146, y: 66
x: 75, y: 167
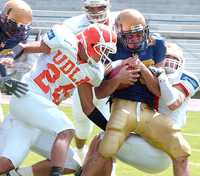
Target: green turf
x: 124, y: 170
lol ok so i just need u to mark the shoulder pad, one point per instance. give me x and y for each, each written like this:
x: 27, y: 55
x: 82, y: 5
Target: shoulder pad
x: 76, y: 24
x: 60, y: 37
x: 159, y: 48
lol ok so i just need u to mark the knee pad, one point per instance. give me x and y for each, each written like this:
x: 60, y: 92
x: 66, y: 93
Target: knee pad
x: 120, y: 124
x: 111, y: 143
x: 66, y: 134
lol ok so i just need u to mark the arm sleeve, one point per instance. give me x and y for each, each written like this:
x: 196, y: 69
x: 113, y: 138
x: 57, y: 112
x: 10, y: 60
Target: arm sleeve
x: 98, y: 119
x: 168, y: 94
x: 189, y: 83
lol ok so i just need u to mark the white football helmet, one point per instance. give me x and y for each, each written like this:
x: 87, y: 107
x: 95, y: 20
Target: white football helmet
x: 174, y: 62
x: 97, y: 10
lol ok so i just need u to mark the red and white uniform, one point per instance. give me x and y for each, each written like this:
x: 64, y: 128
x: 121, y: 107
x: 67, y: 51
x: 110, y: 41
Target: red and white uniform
x: 83, y: 125
x: 54, y: 77
x: 189, y: 84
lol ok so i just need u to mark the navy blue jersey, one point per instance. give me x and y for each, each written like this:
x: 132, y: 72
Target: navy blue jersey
x: 152, y: 55
x: 7, y: 43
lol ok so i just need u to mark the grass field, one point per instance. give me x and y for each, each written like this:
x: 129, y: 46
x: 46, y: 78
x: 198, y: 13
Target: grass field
x: 191, y: 132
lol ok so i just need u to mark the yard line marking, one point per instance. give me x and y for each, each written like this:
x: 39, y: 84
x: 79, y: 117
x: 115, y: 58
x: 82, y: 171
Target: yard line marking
x: 195, y: 150
x: 194, y: 116
x: 194, y: 164
x: 192, y: 134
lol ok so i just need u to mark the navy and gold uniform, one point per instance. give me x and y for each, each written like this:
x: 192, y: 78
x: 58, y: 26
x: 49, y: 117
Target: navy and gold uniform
x: 15, y: 25
x: 15, y: 21
x: 154, y: 54
x: 132, y: 107
x: 8, y: 43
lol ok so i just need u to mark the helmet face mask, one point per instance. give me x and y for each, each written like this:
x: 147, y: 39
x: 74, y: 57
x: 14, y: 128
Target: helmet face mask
x: 103, y: 50
x: 132, y: 30
x: 134, y: 40
x: 12, y: 29
x: 16, y: 19
x: 174, y: 62
x: 97, y: 10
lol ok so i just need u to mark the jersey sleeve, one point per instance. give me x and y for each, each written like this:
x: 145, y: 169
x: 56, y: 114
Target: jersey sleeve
x: 95, y: 73
x: 189, y: 83
x: 69, y: 23
x: 60, y: 37
x: 159, y: 50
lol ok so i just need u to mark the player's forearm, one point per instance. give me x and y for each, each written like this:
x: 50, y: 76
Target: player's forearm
x: 150, y: 81
x: 86, y: 99
x: 107, y: 87
x: 36, y: 47
x: 177, y: 103
x: 172, y: 96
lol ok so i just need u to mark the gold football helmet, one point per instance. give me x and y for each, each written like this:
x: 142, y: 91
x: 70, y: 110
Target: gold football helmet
x: 16, y: 18
x: 132, y: 30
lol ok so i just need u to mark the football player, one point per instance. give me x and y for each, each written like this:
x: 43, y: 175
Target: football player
x: 15, y: 25
x: 133, y: 107
x: 67, y: 62
x: 177, y: 87
x: 96, y: 11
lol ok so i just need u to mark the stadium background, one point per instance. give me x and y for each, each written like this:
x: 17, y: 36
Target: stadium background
x: 177, y: 20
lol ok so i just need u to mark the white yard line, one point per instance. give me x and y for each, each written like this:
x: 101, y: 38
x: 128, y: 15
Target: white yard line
x: 195, y: 150
x: 192, y: 134
x: 194, y: 164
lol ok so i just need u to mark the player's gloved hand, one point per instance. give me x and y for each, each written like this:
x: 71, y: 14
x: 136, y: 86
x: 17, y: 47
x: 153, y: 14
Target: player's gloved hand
x: 156, y: 71
x: 11, y: 54
x: 12, y: 86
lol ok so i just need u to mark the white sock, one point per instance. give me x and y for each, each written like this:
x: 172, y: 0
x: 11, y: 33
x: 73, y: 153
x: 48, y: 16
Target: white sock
x: 82, y: 152
x: 25, y: 171
x: 114, y: 167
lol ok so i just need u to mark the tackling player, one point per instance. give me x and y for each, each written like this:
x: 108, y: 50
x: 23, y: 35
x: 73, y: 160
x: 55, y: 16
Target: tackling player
x: 67, y: 62
x: 132, y: 108
x: 177, y: 87
x: 96, y: 11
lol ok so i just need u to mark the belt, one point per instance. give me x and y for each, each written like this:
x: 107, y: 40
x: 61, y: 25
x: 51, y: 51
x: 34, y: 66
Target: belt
x: 140, y: 106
